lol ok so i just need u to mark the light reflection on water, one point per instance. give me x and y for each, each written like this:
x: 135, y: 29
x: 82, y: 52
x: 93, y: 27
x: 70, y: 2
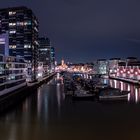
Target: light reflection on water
x: 46, y: 114
x: 134, y: 89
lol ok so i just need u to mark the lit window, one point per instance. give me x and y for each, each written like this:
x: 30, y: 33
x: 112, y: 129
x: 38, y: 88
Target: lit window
x: 36, y: 42
x: 20, y: 23
x: 11, y: 13
x: 35, y: 22
x: 2, y: 41
x: 27, y: 46
x: 27, y: 23
x: 36, y: 29
x: 12, y: 46
x: 12, y: 24
x: 43, y: 49
x: 12, y: 31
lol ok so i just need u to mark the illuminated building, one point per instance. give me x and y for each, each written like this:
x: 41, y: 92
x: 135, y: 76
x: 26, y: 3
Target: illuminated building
x: 113, y: 65
x: 63, y: 65
x: 12, y: 74
x: 102, y: 66
x: 62, y: 62
x: 22, y: 27
x: 4, y: 44
x: 129, y: 69
x: 46, y: 55
x: 52, y: 58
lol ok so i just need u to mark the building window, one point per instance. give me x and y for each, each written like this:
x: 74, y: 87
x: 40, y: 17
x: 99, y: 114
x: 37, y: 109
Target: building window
x: 36, y: 29
x: 12, y: 31
x: 11, y: 13
x: 2, y: 40
x: 27, y: 23
x: 12, y: 24
x: 27, y: 46
x: 20, y: 23
x: 12, y: 46
x: 35, y: 22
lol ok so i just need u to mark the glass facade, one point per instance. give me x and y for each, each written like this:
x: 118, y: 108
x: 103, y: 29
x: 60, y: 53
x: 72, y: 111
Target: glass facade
x: 22, y: 25
x: 12, y: 72
x: 46, y: 54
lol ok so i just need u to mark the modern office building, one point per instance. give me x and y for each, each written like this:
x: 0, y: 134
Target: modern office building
x: 113, y: 65
x: 22, y: 27
x: 102, y: 66
x: 12, y: 73
x: 46, y: 55
x: 52, y: 58
x: 4, y: 44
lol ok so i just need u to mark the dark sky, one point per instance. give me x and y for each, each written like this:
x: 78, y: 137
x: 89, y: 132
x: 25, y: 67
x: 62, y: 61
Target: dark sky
x: 85, y: 30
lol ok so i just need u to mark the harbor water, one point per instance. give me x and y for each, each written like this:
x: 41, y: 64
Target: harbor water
x: 48, y: 114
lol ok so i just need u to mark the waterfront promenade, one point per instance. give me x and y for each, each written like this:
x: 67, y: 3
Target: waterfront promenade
x: 15, y: 96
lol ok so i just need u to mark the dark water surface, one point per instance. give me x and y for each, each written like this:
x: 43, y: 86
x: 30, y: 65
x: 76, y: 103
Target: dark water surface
x: 48, y: 115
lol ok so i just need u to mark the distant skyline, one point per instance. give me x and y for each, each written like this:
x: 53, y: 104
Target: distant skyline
x: 85, y: 30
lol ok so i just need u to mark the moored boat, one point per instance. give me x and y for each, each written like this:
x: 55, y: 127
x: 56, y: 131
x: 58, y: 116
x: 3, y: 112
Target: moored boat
x: 113, y: 94
x: 83, y: 95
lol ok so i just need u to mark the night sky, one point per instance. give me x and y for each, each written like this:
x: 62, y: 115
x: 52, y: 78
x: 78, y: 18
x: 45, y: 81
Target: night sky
x: 85, y: 30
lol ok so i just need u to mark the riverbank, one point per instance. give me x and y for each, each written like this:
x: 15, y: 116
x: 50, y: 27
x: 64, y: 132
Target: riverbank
x: 10, y: 99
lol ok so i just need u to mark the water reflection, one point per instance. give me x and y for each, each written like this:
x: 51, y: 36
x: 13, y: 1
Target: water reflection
x: 134, y: 89
x: 39, y: 99
x: 58, y: 95
x: 40, y: 109
x: 12, y: 132
x: 47, y: 115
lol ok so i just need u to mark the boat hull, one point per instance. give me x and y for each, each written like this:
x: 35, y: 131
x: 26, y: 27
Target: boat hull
x: 118, y: 97
x: 83, y: 97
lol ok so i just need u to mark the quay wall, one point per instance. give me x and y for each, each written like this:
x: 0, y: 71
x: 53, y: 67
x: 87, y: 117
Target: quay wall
x: 9, y: 100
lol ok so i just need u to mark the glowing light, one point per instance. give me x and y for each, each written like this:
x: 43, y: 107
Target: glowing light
x: 2, y: 40
x: 58, y: 75
x: 12, y: 24
x: 12, y: 46
x: 12, y: 13
x: 20, y: 23
x: 115, y: 82
x: 39, y: 75
x: 27, y: 46
x: 12, y: 31
x: 136, y: 95
x: 131, y: 70
x: 128, y: 87
x: 136, y: 72
x: 129, y: 97
x: 121, y: 85
x: 128, y: 72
